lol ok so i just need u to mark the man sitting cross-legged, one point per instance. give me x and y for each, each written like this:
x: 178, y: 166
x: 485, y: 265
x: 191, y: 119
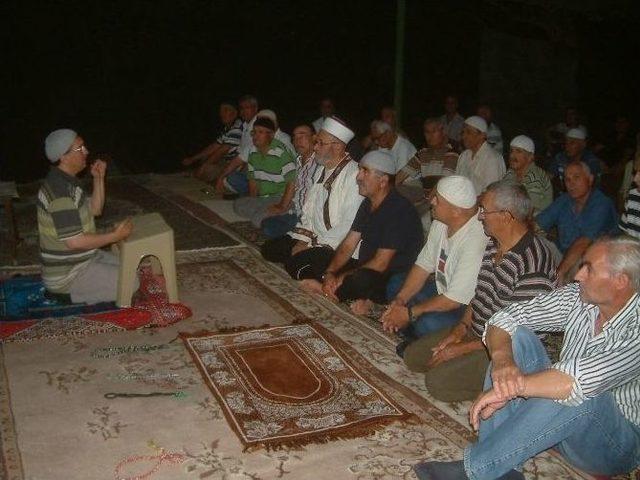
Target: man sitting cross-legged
x: 329, y: 209
x: 517, y: 266
x: 386, y: 228
x: 587, y: 405
x: 442, y: 281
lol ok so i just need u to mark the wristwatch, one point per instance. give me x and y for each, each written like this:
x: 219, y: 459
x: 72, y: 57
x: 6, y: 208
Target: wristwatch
x: 324, y: 275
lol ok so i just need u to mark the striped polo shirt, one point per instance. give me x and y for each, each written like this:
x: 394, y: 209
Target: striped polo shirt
x: 525, y: 271
x: 231, y: 135
x: 272, y: 170
x: 64, y: 212
x: 537, y: 184
x: 432, y: 161
x: 630, y: 219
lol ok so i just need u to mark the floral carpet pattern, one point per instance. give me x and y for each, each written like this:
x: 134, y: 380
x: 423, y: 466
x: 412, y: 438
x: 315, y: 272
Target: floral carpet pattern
x: 127, y: 404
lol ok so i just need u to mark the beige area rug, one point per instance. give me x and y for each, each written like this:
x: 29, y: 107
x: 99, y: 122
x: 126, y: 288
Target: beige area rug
x: 57, y: 423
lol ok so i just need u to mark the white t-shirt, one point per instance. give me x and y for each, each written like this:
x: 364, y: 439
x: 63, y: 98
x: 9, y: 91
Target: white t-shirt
x: 402, y: 151
x: 485, y: 167
x: 454, y: 260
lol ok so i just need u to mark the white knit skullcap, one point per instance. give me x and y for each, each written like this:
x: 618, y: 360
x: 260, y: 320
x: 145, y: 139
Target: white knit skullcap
x: 379, y: 160
x: 577, y: 133
x: 477, y: 122
x: 58, y: 143
x: 524, y: 143
x: 270, y: 114
x: 338, y: 129
x: 457, y: 190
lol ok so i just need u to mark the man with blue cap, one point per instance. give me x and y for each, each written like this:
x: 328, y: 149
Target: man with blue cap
x: 74, y: 267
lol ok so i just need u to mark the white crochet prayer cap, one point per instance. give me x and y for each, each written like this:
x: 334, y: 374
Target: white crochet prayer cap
x: 457, y: 190
x: 270, y: 114
x: 379, y: 160
x: 524, y: 143
x: 477, y: 122
x: 58, y: 143
x: 577, y: 133
x: 338, y: 129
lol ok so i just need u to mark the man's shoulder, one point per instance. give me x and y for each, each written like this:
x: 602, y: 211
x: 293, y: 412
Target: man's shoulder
x: 278, y: 149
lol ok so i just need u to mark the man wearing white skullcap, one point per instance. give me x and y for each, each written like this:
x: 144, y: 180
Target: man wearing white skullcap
x: 73, y: 265
x: 386, y: 231
x: 480, y: 163
x: 329, y: 209
x: 438, y: 288
x: 523, y: 170
x: 516, y: 266
x: 575, y: 150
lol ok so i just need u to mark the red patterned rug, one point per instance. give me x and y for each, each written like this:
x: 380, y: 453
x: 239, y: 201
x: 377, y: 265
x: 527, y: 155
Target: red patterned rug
x: 290, y: 386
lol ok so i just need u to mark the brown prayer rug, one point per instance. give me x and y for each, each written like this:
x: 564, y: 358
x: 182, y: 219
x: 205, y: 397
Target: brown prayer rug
x: 291, y: 385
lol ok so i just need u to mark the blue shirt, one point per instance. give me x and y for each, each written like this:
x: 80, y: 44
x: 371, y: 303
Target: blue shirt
x: 598, y: 217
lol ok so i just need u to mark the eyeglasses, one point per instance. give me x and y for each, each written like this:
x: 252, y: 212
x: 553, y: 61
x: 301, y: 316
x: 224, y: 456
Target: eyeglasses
x: 482, y: 212
x: 81, y: 148
x: 322, y: 144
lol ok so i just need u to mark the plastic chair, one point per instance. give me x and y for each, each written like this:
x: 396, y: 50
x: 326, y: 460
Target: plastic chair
x: 150, y: 237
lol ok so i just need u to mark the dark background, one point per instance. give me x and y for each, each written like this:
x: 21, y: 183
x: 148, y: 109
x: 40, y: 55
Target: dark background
x: 141, y: 80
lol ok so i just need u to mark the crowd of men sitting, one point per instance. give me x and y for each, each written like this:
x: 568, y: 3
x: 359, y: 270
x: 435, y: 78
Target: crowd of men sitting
x: 472, y: 261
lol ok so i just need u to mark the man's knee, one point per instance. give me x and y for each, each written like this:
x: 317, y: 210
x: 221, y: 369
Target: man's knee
x: 418, y: 353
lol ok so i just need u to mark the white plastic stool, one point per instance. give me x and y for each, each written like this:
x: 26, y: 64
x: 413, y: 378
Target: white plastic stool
x: 151, y: 236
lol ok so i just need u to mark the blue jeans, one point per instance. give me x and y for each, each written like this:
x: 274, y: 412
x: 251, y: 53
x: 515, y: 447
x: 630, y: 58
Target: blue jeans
x: 238, y: 182
x: 279, y: 225
x: 594, y: 436
x: 427, y: 322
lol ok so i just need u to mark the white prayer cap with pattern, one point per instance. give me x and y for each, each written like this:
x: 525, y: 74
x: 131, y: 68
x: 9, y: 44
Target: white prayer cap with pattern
x: 524, y: 143
x: 477, y: 122
x: 338, y: 129
x: 379, y: 160
x: 457, y: 190
x: 577, y: 133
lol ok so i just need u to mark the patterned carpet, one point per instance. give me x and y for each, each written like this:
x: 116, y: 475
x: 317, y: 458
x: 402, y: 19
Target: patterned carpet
x: 129, y: 404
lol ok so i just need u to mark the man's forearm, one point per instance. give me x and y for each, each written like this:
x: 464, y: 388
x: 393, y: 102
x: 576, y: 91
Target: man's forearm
x: 498, y: 343
x: 287, y: 195
x: 412, y: 284
x: 550, y: 383
x: 573, y: 255
x: 437, y: 303
x: 233, y: 165
x: 97, y: 196
x: 89, y: 241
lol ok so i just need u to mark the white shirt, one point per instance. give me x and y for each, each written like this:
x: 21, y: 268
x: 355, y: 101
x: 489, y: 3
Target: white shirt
x: 455, y: 260
x: 343, y: 202
x: 279, y: 135
x: 402, y: 151
x: 246, y: 142
x: 494, y: 138
x: 483, y: 168
x: 317, y: 123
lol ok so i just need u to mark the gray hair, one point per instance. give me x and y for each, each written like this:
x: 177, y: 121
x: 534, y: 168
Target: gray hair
x: 512, y: 197
x: 380, y: 127
x: 584, y: 166
x: 623, y: 254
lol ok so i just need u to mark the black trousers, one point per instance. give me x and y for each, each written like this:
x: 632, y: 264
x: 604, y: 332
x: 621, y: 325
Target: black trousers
x: 310, y: 263
x: 364, y: 283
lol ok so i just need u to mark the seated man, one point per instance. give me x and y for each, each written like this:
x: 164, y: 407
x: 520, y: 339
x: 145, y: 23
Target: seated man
x: 587, y: 405
x: 328, y: 212
x: 271, y: 175
x: 236, y: 180
x: 280, y: 220
x: 453, y: 121
x: 385, y: 137
x: 442, y: 282
x: 327, y: 108
x: 436, y: 160
x: 580, y: 215
x: 479, y: 162
x: 630, y: 219
x: 387, y: 230
x: 69, y: 245
x: 523, y: 170
x: 517, y: 265
x: 575, y: 150
x: 208, y: 163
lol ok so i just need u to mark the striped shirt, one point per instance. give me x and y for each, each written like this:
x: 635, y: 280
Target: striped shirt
x: 630, y: 219
x: 272, y: 170
x: 432, y: 161
x: 527, y: 270
x: 231, y: 135
x: 304, y: 180
x: 63, y: 212
x: 537, y: 184
x: 609, y: 361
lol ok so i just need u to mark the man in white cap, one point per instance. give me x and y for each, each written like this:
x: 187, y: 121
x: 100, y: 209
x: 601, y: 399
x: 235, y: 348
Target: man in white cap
x: 480, y: 163
x: 436, y: 291
x: 74, y: 267
x: 386, y: 230
x: 575, y: 150
x: 385, y: 137
x: 329, y: 209
x: 516, y: 266
x: 523, y: 170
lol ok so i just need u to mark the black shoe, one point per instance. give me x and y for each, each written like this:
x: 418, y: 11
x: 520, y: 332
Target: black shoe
x: 401, y: 347
x: 440, y: 471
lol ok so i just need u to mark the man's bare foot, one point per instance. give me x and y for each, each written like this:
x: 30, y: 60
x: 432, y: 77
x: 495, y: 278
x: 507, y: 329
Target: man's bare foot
x: 361, y: 306
x: 310, y: 285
